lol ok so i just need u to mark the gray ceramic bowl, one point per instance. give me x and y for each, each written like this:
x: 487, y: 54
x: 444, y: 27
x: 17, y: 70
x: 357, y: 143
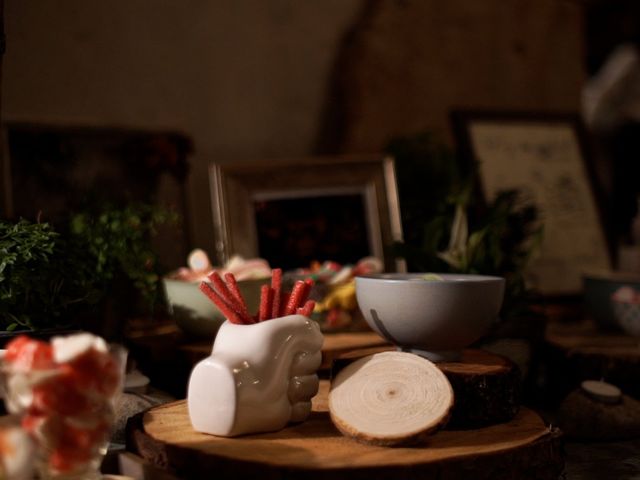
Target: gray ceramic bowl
x: 198, y: 316
x: 433, y: 318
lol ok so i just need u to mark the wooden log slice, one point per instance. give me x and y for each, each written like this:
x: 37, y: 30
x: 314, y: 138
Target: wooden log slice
x: 487, y: 389
x: 486, y: 386
x: 390, y: 398
x: 523, y: 448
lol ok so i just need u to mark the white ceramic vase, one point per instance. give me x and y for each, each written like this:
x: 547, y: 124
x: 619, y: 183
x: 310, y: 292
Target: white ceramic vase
x: 258, y: 377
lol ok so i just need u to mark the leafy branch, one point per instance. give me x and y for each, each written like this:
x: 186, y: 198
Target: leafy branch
x: 49, y: 277
x: 447, y: 230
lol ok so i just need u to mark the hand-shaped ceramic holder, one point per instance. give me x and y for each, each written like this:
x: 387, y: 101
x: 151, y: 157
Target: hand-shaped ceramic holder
x: 258, y: 377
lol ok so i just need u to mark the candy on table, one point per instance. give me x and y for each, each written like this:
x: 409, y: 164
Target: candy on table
x: 64, y: 389
x: 274, y: 302
x: 320, y: 272
x: 368, y: 265
x: 246, y: 269
x: 200, y: 267
x: 333, y: 273
x: 340, y: 298
x: 198, y: 261
x: 17, y: 451
x: 24, y: 353
x: 626, y: 294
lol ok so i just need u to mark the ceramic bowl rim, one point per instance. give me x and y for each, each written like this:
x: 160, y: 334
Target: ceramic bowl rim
x: 450, y: 278
x: 611, y: 276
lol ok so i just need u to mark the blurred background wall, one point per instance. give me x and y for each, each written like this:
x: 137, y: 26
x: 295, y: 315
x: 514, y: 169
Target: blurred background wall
x: 254, y: 79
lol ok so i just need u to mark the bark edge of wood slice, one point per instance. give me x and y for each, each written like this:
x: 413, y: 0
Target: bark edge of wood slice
x: 390, y: 399
x: 486, y: 385
x: 487, y: 389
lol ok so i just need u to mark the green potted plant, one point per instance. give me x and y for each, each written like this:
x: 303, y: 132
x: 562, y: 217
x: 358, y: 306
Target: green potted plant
x: 34, y: 293
x: 90, y: 271
x: 448, y: 230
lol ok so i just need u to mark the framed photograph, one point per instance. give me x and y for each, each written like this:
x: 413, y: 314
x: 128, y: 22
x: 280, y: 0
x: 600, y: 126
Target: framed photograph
x: 544, y: 157
x: 294, y: 212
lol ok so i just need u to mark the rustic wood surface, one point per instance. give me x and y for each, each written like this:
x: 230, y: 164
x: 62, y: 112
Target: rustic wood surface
x: 580, y: 351
x: 167, y: 355
x: 161, y: 336
x: 584, y: 338
x: 487, y: 389
x: 400, y: 69
x: 334, y: 344
x: 522, y: 448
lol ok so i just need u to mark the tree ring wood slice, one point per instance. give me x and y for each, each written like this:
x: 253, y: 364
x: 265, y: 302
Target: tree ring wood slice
x: 486, y: 387
x: 390, y: 398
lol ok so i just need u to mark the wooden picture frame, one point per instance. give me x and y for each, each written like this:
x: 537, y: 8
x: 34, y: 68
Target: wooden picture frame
x: 544, y: 156
x: 362, y: 187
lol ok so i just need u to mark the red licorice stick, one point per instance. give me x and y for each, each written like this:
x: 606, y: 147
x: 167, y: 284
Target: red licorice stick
x: 304, y: 295
x: 308, y: 285
x: 276, y: 286
x: 307, y: 310
x: 266, y: 303
x: 220, y: 302
x: 232, y: 284
x: 294, y: 300
x: 284, y: 300
x: 221, y: 287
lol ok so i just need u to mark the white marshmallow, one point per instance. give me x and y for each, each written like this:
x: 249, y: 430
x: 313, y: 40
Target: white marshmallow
x: 70, y: 347
x: 17, y: 461
x: 198, y: 260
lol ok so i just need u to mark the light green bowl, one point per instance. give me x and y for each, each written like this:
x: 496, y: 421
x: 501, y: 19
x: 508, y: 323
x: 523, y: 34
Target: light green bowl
x: 198, y: 316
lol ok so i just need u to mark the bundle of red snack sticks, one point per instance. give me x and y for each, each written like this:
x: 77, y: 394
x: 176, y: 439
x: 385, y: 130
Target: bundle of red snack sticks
x: 274, y: 302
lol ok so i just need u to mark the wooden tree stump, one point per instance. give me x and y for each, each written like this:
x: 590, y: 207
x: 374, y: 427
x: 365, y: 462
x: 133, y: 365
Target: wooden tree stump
x: 579, y: 351
x: 523, y: 448
x: 486, y: 386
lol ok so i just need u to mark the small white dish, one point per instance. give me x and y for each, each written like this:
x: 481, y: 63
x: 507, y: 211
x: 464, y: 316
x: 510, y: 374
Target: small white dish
x: 136, y: 382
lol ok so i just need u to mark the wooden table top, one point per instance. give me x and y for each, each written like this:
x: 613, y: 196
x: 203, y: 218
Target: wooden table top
x: 316, y: 445
x: 586, y: 338
x: 167, y: 335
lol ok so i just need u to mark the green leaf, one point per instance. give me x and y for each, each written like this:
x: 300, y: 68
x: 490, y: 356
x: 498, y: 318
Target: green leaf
x: 474, y: 245
x: 47, y: 277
